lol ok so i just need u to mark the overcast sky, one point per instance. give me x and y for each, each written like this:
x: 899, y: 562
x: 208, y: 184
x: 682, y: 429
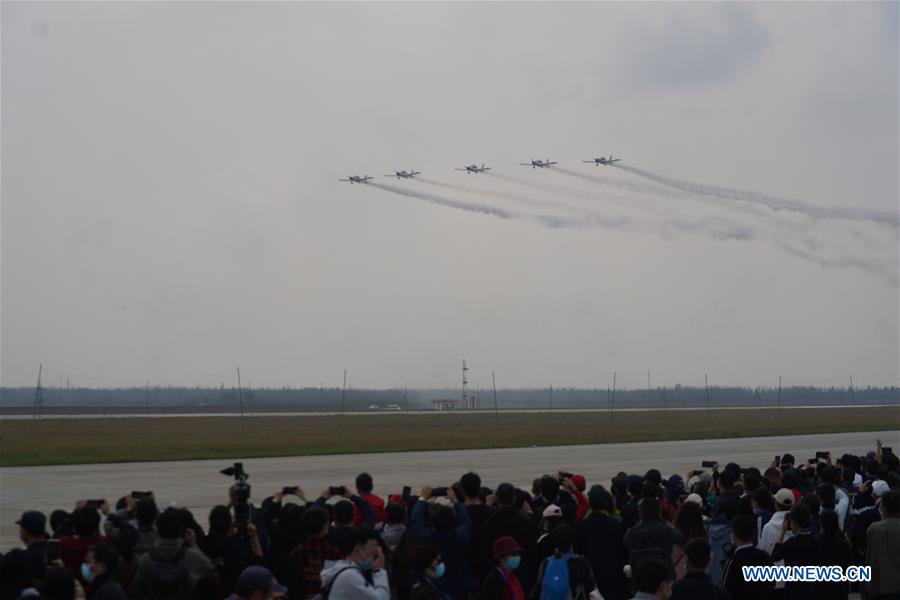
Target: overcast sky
x: 171, y: 209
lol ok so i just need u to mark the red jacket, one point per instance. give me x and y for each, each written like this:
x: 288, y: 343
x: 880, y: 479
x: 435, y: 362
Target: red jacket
x: 377, y: 505
x: 72, y: 551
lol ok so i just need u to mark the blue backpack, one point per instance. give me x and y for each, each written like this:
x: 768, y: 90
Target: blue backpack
x: 556, y: 578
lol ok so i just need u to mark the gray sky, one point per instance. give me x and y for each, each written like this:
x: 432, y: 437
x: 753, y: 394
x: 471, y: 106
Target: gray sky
x: 170, y: 206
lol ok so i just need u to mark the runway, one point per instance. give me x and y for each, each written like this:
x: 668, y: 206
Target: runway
x: 199, y: 486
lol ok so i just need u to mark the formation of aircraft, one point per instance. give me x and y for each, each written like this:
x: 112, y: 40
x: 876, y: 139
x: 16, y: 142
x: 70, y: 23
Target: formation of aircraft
x: 357, y: 179
x: 474, y: 169
x: 405, y: 174
x: 603, y: 161
x: 534, y: 164
x: 538, y: 163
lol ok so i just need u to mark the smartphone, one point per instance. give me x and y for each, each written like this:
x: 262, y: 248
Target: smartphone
x: 438, y: 492
x: 822, y: 455
x: 777, y: 459
x: 708, y: 464
x: 289, y: 491
x: 53, y: 550
x: 887, y: 450
x: 407, y: 491
x: 139, y: 495
x: 337, y: 490
x: 814, y: 460
x: 95, y: 504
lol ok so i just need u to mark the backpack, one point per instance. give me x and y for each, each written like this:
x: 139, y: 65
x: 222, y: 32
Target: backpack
x: 169, y: 577
x: 555, y: 585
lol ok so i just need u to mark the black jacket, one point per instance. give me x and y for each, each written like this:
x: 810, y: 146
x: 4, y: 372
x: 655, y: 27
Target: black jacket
x: 599, y: 539
x: 478, y: 551
x: 509, y: 521
x: 800, y: 550
x: 697, y: 586
x: 733, y: 576
x: 107, y: 587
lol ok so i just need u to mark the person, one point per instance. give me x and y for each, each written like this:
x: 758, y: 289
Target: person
x: 651, y: 538
x: 865, y: 511
x: 510, y: 522
x: 477, y: 552
x: 257, y: 583
x: 761, y: 502
x: 801, y: 549
x: 551, y: 517
x: 784, y: 501
x: 394, y: 526
x: 634, y: 485
x: 565, y: 569
x: 502, y: 582
x: 746, y: 554
x: 651, y: 580
x: 342, y: 512
x: 696, y: 584
x: 689, y: 521
x: 32, y: 532
x: 364, y: 487
x: 450, y: 531
x: 174, y: 564
x: 302, y: 567
x: 429, y: 570
x: 145, y: 513
x: 719, y: 529
x: 882, y: 555
x: 231, y: 549
x: 86, y: 529
x: 837, y: 550
x: 360, y: 575
x: 599, y: 538
x: 101, y: 564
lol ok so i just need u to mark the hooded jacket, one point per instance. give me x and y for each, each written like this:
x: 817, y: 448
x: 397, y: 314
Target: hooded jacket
x: 345, y: 580
x: 197, y: 564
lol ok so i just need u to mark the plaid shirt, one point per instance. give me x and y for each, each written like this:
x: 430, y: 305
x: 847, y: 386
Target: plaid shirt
x: 305, y: 564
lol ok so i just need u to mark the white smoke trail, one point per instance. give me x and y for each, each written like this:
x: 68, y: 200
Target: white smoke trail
x: 889, y: 273
x: 776, y: 204
x: 450, y: 202
x: 552, y: 221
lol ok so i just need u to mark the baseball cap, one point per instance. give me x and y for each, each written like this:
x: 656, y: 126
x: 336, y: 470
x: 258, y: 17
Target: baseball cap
x: 580, y: 482
x: 880, y: 488
x: 695, y: 498
x: 552, y: 511
x: 259, y: 578
x: 33, y: 522
x: 784, y: 497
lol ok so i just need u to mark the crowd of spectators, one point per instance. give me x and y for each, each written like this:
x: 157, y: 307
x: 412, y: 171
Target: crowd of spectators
x: 641, y: 536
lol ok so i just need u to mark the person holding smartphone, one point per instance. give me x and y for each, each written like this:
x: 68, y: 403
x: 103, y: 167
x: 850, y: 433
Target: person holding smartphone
x: 32, y: 533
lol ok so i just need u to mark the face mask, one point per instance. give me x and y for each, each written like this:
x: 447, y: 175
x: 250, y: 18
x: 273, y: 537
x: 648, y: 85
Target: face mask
x: 439, y: 571
x: 86, y: 573
x: 513, y: 562
x: 366, y: 565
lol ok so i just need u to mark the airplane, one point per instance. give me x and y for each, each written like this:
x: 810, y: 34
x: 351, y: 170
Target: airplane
x: 357, y: 179
x: 405, y: 174
x: 603, y: 161
x: 538, y: 163
x: 474, y: 169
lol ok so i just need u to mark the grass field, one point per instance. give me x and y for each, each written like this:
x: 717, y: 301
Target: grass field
x: 61, y: 441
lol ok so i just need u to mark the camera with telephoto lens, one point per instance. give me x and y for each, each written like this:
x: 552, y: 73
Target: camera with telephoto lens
x: 241, y: 495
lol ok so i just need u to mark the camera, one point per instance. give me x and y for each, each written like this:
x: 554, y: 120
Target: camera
x: 886, y: 450
x: 241, y: 494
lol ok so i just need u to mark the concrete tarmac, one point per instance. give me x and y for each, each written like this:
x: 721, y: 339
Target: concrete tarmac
x: 199, y: 486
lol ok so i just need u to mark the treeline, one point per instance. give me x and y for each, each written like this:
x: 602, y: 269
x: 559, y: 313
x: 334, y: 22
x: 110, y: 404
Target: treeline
x: 335, y: 399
